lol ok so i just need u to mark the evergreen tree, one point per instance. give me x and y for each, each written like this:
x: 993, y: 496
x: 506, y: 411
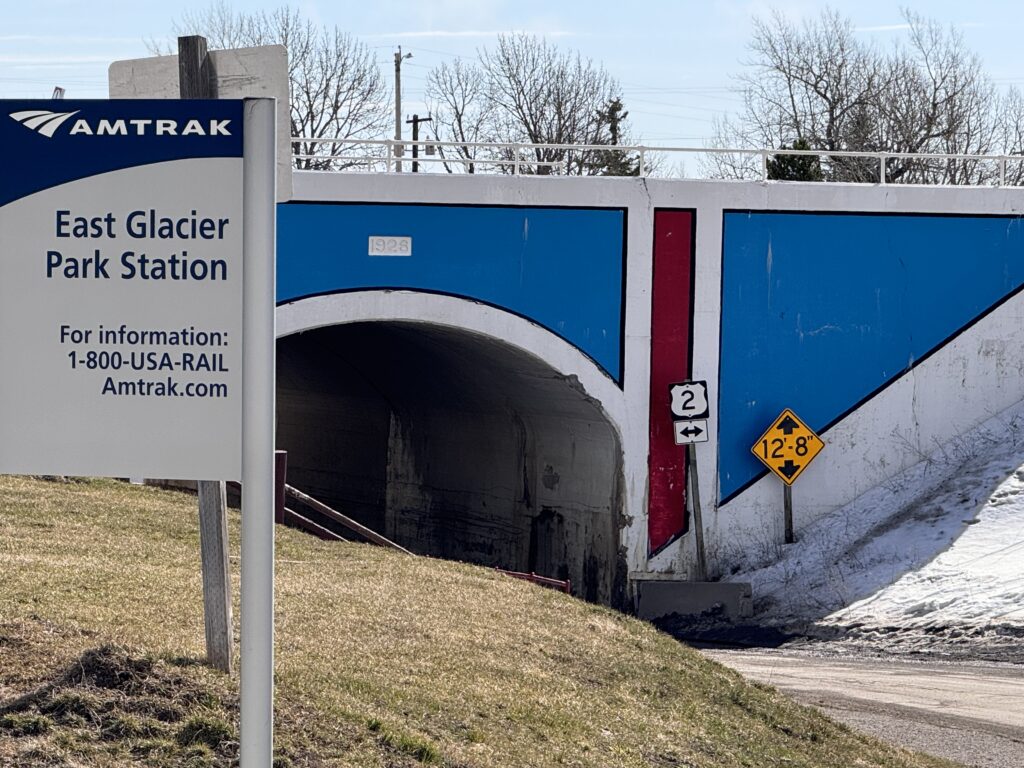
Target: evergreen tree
x: 795, y: 167
x: 616, y: 162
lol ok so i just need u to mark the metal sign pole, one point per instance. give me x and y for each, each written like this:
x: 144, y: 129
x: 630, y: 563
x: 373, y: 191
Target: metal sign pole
x: 698, y: 522
x: 256, y: 745
x: 787, y: 511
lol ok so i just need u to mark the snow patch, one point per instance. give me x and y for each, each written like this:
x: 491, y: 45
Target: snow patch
x: 940, y: 544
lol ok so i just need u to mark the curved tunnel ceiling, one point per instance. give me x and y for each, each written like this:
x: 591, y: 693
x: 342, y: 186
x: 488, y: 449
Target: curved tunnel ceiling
x: 455, y: 368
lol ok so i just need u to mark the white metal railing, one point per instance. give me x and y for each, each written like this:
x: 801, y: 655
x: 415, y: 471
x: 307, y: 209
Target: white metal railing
x: 513, y: 157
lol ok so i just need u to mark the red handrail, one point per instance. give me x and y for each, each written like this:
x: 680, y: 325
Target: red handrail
x: 544, y: 581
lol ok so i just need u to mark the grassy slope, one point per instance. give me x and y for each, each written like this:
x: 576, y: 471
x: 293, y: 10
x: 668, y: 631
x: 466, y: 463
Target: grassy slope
x: 382, y: 659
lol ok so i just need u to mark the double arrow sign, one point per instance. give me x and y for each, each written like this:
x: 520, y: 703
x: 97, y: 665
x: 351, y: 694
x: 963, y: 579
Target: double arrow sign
x: 690, y: 412
x: 691, y: 430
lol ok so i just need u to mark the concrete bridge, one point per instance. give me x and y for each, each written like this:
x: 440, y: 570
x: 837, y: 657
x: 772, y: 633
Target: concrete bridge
x: 499, y: 393
x: 478, y: 366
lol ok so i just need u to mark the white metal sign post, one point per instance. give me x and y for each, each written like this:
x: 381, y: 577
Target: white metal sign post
x: 258, y: 371
x: 137, y: 315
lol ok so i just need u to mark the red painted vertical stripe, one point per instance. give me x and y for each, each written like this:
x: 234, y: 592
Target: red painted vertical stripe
x: 671, y: 315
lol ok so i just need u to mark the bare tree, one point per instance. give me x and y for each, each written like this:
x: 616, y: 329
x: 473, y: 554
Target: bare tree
x: 813, y: 84
x: 1011, y: 134
x: 818, y: 85
x: 938, y: 99
x: 527, y: 91
x: 457, y: 96
x: 336, y: 88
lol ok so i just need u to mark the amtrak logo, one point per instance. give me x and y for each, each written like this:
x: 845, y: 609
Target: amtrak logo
x: 46, y: 123
x: 42, y: 121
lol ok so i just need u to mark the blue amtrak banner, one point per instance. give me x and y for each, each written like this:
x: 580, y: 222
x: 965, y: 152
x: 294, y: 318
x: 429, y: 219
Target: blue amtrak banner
x: 46, y: 143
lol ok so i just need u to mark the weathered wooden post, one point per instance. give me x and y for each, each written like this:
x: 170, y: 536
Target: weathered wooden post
x: 280, y: 481
x: 213, y: 547
x: 195, y: 81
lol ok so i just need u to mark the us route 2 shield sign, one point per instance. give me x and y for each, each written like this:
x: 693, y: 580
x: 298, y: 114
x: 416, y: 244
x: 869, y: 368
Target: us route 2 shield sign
x: 689, y: 399
x: 787, y: 447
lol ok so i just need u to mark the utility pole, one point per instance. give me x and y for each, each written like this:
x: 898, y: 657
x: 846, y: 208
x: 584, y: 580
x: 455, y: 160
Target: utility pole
x: 415, y: 122
x: 399, y: 58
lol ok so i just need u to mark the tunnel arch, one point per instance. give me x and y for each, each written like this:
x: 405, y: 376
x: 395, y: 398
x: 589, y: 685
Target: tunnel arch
x: 457, y: 429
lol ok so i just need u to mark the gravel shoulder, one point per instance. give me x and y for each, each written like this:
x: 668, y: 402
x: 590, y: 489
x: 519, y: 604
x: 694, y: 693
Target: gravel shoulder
x: 972, y: 713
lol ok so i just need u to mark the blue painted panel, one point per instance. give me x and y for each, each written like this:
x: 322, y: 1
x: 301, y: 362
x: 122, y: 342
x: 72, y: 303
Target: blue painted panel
x: 819, y: 311
x: 559, y: 267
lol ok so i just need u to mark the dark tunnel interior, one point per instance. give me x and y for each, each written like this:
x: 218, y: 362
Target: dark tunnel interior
x: 455, y: 445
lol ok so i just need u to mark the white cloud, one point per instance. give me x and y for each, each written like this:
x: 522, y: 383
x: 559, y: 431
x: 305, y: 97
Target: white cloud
x: 472, y: 33
x: 904, y: 26
x: 883, y: 28
x: 64, y: 39
x: 49, y: 61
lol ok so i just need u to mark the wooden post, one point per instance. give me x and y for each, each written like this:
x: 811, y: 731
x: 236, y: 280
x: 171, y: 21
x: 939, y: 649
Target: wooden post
x: 698, y: 521
x: 213, y: 547
x: 195, y: 81
x: 280, y: 480
x: 787, y: 511
x: 195, y: 70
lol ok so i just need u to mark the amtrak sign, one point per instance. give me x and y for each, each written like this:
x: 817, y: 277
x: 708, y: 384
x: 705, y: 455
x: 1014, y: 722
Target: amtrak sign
x: 137, y: 315
x: 121, y: 288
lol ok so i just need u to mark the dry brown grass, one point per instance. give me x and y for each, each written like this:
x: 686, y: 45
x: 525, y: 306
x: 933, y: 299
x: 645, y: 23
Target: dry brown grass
x: 385, y: 660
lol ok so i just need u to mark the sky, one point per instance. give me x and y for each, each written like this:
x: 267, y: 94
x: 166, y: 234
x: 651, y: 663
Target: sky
x: 676, y: 60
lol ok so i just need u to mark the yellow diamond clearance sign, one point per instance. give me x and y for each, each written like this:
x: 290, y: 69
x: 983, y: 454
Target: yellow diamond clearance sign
x: 788, y: 446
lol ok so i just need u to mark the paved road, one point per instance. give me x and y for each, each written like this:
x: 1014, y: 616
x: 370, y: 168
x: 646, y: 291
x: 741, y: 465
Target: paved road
x: 973, y: 714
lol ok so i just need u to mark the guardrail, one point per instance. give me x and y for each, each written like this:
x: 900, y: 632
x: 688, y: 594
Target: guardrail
x: 389, y: 156
x: 392, y: 156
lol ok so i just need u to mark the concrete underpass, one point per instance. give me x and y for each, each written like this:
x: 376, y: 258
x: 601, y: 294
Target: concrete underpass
x: 455, y: 445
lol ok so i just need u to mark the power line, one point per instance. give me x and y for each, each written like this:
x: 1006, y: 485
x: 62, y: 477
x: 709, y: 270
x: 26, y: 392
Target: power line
x: 673, y: 105
x: 686, y: 93
x: 418, y: 48
x: 666, y: 89
x: 705, y: 86
x: 442, y: 53
x: 677, y: 117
